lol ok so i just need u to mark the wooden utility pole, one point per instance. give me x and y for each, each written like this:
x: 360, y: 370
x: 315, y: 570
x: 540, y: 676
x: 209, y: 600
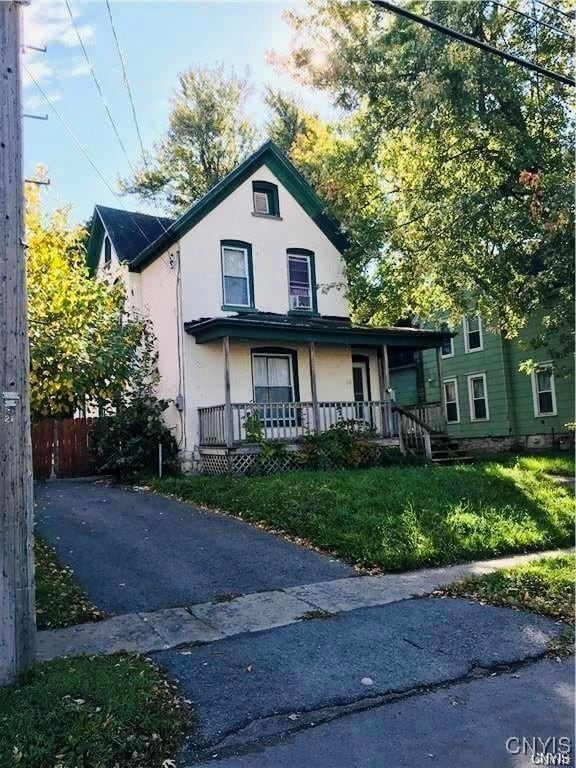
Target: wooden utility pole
x: 17, y: 622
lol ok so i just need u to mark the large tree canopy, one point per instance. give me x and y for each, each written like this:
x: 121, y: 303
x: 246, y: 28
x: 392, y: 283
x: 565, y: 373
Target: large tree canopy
x: 84, y: 349
x: 208, y: 136
x: 470, y: 159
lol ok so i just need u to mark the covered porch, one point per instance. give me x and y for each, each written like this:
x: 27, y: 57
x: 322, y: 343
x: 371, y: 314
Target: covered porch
x: 343, y: 371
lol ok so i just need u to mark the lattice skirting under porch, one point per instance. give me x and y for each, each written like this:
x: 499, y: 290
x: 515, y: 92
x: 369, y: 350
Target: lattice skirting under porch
x: 250, y: 462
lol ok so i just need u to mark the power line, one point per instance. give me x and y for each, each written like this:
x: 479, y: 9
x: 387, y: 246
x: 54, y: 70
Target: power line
x: 82, y: 149
x: 556, y: 10
x: 98, y: 86
x: 132, y: 104
x: 473, y: 41
x: 532, y: 18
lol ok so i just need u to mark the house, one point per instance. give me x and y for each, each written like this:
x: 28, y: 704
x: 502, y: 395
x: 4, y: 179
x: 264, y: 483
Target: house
x: 247, y: 295
x: 488, y: 403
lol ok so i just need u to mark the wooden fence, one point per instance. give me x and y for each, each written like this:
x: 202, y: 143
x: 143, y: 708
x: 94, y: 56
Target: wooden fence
x: 63, y: 447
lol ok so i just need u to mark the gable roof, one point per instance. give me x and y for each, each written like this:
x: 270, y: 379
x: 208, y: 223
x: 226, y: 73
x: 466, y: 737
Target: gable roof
x: 271, y: 156
x: 130, y: 232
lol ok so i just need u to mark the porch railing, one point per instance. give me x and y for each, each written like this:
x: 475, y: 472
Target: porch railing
x: 289, y: 421
x: 431, y: 414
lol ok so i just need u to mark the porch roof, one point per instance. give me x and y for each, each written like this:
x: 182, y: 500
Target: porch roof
x: 263, y: 326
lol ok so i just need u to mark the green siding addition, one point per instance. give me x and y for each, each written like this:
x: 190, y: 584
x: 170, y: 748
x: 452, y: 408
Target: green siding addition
x: 404, y: 384
x: 510, y: 398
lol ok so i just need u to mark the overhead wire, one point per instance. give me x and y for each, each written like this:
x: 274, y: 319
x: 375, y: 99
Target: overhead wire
x: 83, y: 149
x: 473, y: 41
x: 99, y: 87
x: 532, y: 18
x: 132, y: 104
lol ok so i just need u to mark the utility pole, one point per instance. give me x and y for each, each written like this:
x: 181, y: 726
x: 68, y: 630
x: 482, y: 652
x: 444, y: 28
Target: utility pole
x: 17, y: 620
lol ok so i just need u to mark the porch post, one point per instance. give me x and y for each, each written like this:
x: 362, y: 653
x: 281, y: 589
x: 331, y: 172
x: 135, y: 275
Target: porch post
x: 385, y: 386
x: 228, y: 422
x: 313, y: 387
x: 385, y: 367
x: 441, y: 384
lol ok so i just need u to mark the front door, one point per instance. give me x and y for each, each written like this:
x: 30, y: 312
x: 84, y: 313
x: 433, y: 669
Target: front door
x: 361, y: 383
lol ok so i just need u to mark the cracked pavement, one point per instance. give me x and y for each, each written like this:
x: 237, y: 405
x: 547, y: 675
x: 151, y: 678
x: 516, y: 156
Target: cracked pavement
x: 389, y: 682
x: 252, y: 692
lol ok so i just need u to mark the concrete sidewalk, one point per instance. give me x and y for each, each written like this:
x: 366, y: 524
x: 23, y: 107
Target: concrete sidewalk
x: 144, y: 632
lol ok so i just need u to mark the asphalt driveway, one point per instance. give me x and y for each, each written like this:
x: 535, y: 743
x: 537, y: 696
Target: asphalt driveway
x: 136, y: 551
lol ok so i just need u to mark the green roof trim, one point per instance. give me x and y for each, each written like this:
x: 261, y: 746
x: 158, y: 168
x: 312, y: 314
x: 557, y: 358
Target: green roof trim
x: 268, y: 154
x: 324, y: 330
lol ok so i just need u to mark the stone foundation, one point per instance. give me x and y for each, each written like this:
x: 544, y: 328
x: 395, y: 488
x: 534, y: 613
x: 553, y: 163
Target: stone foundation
x: 543, y: 442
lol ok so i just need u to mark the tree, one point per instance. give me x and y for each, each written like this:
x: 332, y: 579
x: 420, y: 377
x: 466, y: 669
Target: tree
x: 473, y: 157
x: 84, y: 349
x: 208, y: 136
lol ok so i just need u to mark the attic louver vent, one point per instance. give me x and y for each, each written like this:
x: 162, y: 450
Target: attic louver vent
x: 261, y: 202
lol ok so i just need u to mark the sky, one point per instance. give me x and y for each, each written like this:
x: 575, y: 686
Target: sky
x: 158, y: 40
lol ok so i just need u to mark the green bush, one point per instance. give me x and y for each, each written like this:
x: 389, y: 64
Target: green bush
x: 126, y: 444
x: 345, y: 445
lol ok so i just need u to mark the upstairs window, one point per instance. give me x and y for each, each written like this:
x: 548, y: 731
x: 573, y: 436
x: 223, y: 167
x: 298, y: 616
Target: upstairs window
x: 265, y: 198
x: 447, y: 348
x: 107, y: 251
x: 544, y: 391
x: 237, y: 274
x: 301, y: 281
x: 473, y: 340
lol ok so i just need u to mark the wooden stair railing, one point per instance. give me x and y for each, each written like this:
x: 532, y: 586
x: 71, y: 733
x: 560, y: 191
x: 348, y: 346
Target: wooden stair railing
x: 414, y: 434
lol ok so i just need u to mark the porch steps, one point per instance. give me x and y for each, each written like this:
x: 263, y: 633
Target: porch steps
x: 448, y: 451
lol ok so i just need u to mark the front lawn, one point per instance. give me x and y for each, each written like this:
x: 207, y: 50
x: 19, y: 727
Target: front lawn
x: 549, y: 464
x: 399, y: 517
x: 91, y: 712
x: 544, y: 586
x: 59, y: 600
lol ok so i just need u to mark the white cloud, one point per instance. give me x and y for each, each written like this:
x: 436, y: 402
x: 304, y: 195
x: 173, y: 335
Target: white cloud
x: 78, y: 68
x: 39, y: 70
x: 34, y: 102
x: 48, y: 23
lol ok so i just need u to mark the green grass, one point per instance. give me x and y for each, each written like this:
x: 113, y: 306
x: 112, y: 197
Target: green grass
x: 59, y: 600
x: 91, y: 712
x: 398, y: 517
x: 550, y: 464
x: 545, y: 586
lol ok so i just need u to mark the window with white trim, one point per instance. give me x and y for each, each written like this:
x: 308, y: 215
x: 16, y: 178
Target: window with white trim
x: 478, y: 396
x: 273, y: 378
x: 447, y: 348
x: 473, y: 338
x: 236, y: 276
x: 451, y: 400
x: 300, y: 281
x: 544, y: 390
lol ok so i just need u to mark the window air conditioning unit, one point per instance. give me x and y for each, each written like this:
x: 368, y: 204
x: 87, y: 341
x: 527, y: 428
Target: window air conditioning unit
x: 299, y: 302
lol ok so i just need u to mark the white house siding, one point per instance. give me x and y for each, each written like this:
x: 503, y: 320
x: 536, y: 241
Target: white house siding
x: 158, y: 302
x: 205, y: 375
x: 153, y: 291
x: 232, y: 219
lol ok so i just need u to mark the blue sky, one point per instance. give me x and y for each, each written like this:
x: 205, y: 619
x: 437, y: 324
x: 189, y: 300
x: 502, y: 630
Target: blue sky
x: 159, y: 39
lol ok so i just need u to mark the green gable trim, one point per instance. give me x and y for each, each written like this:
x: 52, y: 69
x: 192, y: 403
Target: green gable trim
x: 94, y: 248
x: 242, y: 328
x: 268, y: 154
